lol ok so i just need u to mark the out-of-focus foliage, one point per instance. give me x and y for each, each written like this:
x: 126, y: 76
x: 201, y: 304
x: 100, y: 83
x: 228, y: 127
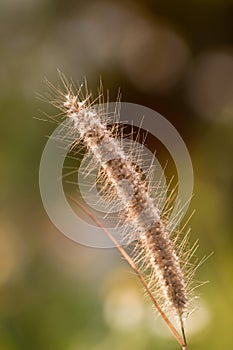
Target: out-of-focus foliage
x: 174, y: 57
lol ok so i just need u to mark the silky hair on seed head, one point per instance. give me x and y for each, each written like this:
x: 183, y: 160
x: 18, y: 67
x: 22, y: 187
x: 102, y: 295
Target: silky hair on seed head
x: 164, y: 257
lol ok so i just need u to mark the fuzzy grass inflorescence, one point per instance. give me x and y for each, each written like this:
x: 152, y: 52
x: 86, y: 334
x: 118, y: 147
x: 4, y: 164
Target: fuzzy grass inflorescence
x: 169, y: 266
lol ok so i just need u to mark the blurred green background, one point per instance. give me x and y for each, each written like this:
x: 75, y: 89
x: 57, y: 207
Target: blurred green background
x: 173, y: 56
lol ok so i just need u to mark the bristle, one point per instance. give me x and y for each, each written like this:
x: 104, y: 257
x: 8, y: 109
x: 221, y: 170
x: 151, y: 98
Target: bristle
x: 141, y: 211
x: 122, y: 176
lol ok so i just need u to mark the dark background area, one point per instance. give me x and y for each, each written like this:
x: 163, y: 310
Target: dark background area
x: 175, y: 57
